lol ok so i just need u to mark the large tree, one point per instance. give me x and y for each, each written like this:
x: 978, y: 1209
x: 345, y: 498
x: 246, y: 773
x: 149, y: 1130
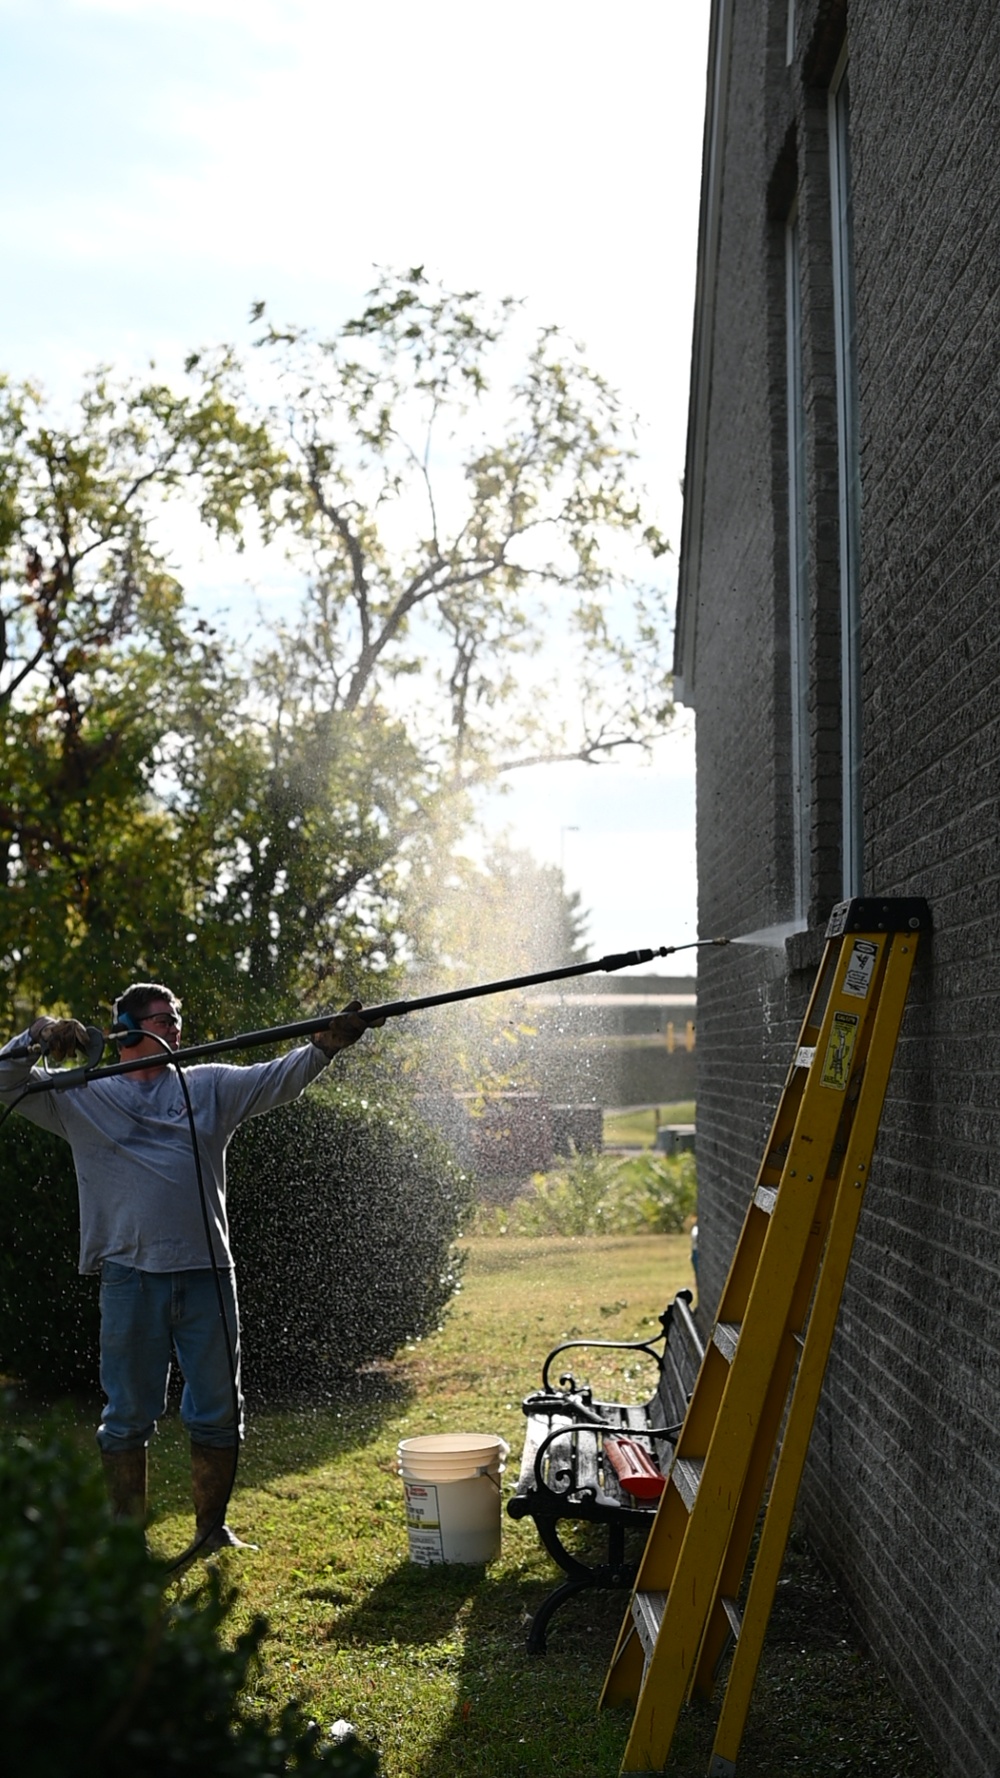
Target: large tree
x: 450, y: 528
x: 477, y: 601
x: 271, y: 825
x: 99, y: 665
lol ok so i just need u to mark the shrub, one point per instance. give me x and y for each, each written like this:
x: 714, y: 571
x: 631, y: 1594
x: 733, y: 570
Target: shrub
x: 602, y: 1194
x: 658, y: 1192
x: 343, y: 1211
x: 101, y: 1674
x: 574, y: 1199
x: 344, y: 1214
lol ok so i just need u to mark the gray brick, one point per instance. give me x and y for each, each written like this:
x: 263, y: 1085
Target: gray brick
x: 903, y: 1484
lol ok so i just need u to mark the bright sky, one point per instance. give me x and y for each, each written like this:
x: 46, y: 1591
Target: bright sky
x: 169, y: 161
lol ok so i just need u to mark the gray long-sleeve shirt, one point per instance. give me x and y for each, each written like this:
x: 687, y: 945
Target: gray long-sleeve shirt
x: 131, y: 1142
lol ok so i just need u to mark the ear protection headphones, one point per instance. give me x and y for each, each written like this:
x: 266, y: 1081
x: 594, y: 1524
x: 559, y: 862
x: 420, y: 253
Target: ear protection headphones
x: 122, y: 1038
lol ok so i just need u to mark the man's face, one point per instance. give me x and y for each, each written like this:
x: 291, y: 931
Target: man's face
x: 161, y: 1021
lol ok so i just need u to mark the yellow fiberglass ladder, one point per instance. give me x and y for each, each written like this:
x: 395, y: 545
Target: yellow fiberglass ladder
x: 752, y: 1409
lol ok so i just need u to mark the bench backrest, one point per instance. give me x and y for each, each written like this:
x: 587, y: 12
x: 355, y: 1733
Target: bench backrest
x: 682, y: 1356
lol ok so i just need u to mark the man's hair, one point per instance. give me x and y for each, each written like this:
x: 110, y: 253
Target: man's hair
x: 139, y: 997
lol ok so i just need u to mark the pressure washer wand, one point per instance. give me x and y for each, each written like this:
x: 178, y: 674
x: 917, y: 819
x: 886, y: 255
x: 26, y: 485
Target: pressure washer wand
x: 372, y: 1015
x: 395, y: 1009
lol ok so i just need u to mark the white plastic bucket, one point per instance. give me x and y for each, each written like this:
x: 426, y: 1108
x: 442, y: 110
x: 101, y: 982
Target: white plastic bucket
x: 452, y: 1486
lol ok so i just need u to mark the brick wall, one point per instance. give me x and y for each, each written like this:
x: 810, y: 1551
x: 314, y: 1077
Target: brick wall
x: 903, y: 1485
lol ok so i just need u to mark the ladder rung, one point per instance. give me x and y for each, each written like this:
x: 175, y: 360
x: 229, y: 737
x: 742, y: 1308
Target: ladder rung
x: 647, y: 1615
x: 725, y: 1336
x: 765, y: 1198
x: 733, y: 1613
x: 686, y: 1473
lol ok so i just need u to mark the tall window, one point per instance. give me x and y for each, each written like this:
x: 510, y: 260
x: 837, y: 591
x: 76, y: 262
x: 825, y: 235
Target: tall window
x: 798, y: 574
x: 849, y: 467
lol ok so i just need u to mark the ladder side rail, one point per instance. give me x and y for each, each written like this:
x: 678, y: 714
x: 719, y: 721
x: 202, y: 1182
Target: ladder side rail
x: 768, y: 1434
x: 813, y: 1362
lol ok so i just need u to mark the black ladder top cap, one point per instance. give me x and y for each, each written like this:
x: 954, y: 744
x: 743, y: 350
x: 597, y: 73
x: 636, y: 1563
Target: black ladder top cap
x: 877, y: 913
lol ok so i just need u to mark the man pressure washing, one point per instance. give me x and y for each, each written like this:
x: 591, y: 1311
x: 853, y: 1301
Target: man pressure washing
x: 150, y: 1162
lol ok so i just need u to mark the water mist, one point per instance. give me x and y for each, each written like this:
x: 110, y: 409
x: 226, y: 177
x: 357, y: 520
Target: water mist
x: 771, y: 938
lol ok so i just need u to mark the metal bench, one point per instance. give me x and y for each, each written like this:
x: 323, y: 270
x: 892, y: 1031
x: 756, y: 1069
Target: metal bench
x: 568, y: 1471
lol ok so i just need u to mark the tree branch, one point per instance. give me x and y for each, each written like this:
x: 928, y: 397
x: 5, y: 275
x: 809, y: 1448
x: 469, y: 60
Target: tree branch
x: 588, y: 753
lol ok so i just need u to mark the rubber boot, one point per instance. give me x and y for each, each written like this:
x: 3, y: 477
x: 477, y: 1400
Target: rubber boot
x: 125, y: 1480
x: 212, y: 1469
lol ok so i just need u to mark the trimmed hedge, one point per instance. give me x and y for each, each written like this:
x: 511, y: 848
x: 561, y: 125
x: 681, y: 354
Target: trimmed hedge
x: 103, y: 1677
x: 49, y: 1315
x: 343, y: 1214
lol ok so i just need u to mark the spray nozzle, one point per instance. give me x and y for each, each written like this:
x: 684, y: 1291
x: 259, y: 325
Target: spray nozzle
x: 696, y: 944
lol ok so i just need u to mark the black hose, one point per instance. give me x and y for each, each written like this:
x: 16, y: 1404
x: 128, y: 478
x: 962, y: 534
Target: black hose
x: 187, y: 1556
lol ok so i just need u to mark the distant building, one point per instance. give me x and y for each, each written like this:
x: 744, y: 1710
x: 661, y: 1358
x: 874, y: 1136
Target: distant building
x: 615, y: 1041
x: 839, y: 636
x: 607, y: 1045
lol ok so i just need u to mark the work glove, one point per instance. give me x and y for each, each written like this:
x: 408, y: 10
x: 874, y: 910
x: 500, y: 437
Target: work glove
x: 343, y: 1029
x: 58, y: 1038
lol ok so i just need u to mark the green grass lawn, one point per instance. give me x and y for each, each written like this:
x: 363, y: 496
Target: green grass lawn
x: 637, y: 1128
x: 430, y: 1663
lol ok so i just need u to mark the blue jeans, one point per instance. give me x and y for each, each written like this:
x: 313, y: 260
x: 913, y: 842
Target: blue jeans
x: 145, y: 1318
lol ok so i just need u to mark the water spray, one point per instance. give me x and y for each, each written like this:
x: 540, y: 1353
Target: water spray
x: 770, y: 938
x: 66, y: 1078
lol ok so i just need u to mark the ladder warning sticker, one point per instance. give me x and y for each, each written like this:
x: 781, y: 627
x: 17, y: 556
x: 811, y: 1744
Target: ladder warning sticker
x: 860, y: 968
x: 840, y: 1049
